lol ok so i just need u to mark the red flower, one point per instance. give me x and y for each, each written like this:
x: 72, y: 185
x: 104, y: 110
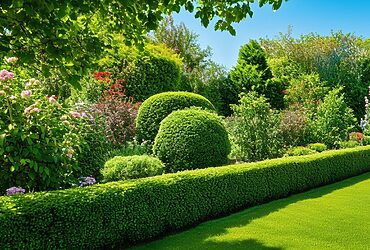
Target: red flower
x: 283, y: 91
x: 101, y: 76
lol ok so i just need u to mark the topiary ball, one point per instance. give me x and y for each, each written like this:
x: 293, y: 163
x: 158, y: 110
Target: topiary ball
x: 190, y: 139
x: 157, y: 107
x: 131, y: 167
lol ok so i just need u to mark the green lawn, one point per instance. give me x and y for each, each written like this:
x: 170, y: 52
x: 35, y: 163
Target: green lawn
x: 336, y: 216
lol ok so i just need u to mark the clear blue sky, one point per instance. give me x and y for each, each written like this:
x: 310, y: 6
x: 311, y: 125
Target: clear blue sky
x: 305, y: 16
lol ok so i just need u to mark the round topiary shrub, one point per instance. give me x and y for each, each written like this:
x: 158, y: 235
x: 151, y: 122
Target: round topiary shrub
x: 158, y: 106
x: 190, y: 139
x: 131, y: 167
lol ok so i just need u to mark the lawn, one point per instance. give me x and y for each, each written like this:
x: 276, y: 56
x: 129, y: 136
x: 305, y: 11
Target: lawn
x: 336, y: 216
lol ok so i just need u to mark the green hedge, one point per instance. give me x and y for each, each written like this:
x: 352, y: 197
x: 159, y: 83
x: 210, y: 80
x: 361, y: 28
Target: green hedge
x: 126, y: 212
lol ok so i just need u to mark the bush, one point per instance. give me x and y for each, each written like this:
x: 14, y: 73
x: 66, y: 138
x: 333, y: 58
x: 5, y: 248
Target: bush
x: 297, y: 151
x: 131, y: 167
x: 157, y: 107
x: 39, y: 137
x: 120, y: 213
x: 319, y: 147
x: 254, y: 129
x: 348, y: 144
x: 149, y: 71
x: 333, y: 120
x: 293, y: 127
x: 192, y: 138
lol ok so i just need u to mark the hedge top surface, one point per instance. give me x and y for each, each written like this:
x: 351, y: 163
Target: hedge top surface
x: 157, y: 107
x: 192, y: 138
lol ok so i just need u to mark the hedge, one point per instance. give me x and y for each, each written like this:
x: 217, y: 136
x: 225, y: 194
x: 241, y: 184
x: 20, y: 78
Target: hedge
x: 126, y: 212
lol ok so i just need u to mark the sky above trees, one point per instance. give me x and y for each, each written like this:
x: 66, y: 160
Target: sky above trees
x: 304, y: 16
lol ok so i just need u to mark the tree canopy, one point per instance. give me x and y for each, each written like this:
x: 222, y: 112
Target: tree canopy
x: 69, y: 34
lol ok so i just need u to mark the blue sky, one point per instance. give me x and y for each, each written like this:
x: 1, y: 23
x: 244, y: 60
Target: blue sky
x: 305, y: 16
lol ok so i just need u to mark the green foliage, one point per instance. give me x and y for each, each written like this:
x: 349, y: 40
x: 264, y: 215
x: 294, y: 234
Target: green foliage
x: 146, y: 72
x: 131, y: 167
x: 190, y: 139
x: 39, y: 137
x: 348, y: 144
x: 333, y: 120
x: 73, y: 34
x: 319, y: 147
x: 253, y: 74
x: 254, y: 129
x: 157, y: 107
x: 297, y: 151
x: 102, y: 216
x: 306, y: 91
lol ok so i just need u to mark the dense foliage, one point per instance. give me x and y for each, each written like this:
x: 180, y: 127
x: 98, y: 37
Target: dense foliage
x: 190, y: 139
x: 131, y: 167
x: 254, y: 129
x: 126, y: 212
x: 157, y: 107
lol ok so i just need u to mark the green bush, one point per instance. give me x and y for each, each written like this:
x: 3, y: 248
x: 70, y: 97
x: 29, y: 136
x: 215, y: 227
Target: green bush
x: 131, y: 167
x: 319, y: 147
x: 333, y: 120
x: 297, y: 151
x: 254, y: 129
x: 120, y: 213
x: 158, y: 106
x: 348, y: 144
x: 191, y: 138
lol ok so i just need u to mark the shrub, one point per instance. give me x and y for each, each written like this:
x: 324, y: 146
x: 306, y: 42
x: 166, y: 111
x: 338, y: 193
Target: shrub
x: 192, y: 138
x: 120, y: 213
x: 254, y: 129
x: 39, y: 137
x: 348, y: 144
x: 297, y: 151
x: 319, y: 147
x: 131, y: 167
x: 157, y: 107
x: 293, y: 127
x: 366, y: 140
x: 333, y: 120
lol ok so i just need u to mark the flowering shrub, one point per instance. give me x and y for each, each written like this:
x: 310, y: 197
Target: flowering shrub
x: 356, y: 136
x: 364, y: 122
x: 87, y: 181
x: 39, y: 138
x: 15, y: 190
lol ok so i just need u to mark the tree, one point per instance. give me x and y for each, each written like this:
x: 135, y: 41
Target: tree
x: 67, y: 34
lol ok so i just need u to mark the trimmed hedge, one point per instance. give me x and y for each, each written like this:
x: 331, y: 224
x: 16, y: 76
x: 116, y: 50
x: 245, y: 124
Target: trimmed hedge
x: 104, y: 215
x: 158, y: 106
x: 190, y: 139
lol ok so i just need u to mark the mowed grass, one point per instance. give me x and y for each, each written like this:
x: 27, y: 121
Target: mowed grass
x: 336, y: 216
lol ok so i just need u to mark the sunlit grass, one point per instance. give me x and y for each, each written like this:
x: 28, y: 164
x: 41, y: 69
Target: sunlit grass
x: 332, y: 217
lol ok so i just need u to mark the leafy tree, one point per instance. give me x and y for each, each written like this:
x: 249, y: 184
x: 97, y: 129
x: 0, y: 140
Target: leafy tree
x: 67, y: 34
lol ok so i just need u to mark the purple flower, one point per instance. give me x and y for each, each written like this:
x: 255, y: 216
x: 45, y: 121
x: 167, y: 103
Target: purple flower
x: 15, y: 190
x: 87, y: 181
x: 6, y: 75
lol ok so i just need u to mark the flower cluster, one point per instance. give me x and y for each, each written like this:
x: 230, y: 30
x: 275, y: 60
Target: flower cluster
x: 87, y: 181
x: 364, y: 121
x: 15, y: 190
x: 6, y: 75
x: 102, y: 76
x: 10, y: 59
x: 356, y: 136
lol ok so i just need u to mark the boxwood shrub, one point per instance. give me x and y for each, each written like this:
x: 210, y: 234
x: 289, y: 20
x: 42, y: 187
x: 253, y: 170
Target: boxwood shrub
x: 125, y: 212
x: 190, y: 139
x: 157, y: 107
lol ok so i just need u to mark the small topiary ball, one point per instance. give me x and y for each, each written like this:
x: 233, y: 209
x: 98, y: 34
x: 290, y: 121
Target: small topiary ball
x: 131, y: 167
x: 190, y: 139
x: 157, y: 107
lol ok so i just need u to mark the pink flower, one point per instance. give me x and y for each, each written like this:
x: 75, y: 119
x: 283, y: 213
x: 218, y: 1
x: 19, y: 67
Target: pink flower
x: 26, y: 93
x: 35, y: 110
x: 75, y: 114
x: 6, y: 75
x: 28, y: 109
x: 52, y: 99
x: 11, y: 59
x: 70, y: 153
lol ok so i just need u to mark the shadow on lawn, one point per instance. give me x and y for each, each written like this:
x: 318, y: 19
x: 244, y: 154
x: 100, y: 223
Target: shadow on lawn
x: 199, y: 237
